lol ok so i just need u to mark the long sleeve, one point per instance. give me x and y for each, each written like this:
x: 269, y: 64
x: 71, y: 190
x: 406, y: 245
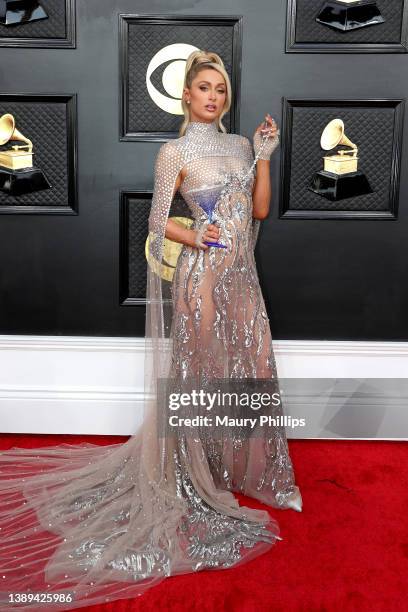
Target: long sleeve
x: 249, y: 154
x: 167, y: 167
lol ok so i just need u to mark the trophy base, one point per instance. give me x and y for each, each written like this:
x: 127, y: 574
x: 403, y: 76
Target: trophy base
x: 339, y: 186
x: 26, y: 180
x: 14, y: 12
x: 216, y: 244
x: 341, y: 17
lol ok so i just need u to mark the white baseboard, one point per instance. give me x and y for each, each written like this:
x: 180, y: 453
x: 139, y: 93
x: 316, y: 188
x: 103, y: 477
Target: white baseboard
x: 93, y: 385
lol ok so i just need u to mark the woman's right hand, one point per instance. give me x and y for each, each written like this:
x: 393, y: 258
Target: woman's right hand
x: 210, y: 233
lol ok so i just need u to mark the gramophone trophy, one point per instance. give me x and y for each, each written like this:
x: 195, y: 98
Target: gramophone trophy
x: 17, y: 174
x: 14, y: 12
x: 340, y: 177
x: 345, y: 15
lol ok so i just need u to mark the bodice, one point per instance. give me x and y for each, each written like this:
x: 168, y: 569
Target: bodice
x: 211, y: 158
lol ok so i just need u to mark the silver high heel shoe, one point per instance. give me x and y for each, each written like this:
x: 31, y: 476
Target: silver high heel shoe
x: 295, y: 500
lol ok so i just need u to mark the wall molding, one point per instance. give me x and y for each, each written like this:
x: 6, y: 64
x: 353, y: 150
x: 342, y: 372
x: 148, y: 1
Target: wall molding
x: 94, y: 385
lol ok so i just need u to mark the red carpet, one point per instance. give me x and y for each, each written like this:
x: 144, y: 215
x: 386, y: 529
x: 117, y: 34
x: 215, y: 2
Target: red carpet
x: 347, y: 550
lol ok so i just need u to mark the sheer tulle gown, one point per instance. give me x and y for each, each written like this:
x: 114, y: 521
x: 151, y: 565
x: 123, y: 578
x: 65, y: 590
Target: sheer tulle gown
x: 84, y: 524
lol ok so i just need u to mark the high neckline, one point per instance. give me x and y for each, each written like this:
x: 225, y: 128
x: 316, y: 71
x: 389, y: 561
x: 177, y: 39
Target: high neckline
x: 201, y: 127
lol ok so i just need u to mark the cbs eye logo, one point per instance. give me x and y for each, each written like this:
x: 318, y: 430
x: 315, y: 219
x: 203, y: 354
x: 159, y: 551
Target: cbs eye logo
x: 172, y: 76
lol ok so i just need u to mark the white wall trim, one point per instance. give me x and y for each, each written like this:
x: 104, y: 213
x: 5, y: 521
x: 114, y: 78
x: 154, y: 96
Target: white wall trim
x: 94, y: 385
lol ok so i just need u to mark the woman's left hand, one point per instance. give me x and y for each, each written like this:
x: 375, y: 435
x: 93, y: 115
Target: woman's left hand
x: 272, y: 132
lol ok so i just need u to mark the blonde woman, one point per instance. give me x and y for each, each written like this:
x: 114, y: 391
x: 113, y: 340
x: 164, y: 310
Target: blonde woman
x: 219, y: 326
x: 87, y: 524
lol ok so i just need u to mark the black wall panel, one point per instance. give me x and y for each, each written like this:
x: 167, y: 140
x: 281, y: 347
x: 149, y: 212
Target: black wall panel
x: 339, y: 279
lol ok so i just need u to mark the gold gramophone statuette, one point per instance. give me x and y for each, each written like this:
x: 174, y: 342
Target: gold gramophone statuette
x: 15, y: 157
x: 343, y: 160
x: 340, y: 177
x: 17, y: 174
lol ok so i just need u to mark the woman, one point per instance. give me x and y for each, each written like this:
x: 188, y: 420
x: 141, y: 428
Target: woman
x: 84, y: 524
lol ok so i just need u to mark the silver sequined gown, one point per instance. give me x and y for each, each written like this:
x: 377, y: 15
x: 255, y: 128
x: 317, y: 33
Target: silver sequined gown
x: 107, y: 523
x: 220, y: 325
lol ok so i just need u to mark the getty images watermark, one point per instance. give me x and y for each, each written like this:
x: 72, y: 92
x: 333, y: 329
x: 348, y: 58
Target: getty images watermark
x: 222, y: 407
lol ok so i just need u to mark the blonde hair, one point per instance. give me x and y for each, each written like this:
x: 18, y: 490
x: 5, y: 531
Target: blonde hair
x: 197, y: 61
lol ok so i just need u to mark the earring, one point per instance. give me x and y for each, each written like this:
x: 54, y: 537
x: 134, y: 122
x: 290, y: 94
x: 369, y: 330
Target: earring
x: 188, y: 101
